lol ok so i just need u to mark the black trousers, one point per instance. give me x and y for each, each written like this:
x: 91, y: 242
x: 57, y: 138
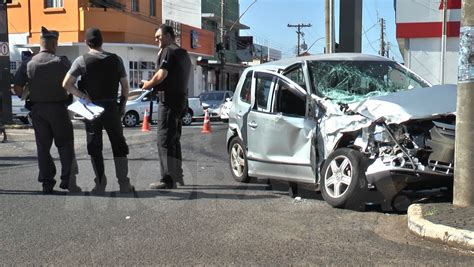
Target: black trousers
x: 110, y: 121
x: 169, y: 144
x: 51, y: 123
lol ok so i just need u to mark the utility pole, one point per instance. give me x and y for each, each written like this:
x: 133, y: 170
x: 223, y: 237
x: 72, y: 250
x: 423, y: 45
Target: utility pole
x: 222, y: 52
x: 443, y: 39
x: 329, y: 23
x: 5, y: 95
x: 463, y: 194
x: 382, y: 40
x: 299, y: 33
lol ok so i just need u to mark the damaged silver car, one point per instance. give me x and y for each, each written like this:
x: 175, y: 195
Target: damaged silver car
x: 362, y: 127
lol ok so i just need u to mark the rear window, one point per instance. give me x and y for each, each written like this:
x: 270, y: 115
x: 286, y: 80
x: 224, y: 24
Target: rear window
x: 214, y: 96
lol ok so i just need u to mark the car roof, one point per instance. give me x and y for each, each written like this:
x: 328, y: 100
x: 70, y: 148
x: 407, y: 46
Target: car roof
x: 284, y: 63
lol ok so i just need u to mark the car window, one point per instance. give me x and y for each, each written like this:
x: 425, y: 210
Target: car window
x: 296, y: 74
x: 352, y: 81
x: 213, y: 96
x: 245, y: 91
x: 262, y: 89
x: 288, y: 100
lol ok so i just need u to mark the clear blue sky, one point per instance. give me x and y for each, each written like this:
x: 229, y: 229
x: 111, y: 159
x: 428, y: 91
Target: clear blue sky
x: 268, y: 20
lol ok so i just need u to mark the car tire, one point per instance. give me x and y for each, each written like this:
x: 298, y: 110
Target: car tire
x: 343, y: 180
x: 130, y: 119
x: 188, y: 117
x: 238, y: 161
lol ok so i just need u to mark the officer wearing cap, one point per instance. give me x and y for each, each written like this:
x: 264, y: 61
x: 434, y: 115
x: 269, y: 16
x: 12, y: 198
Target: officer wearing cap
x: 101, y: 73
x: 44, y: 74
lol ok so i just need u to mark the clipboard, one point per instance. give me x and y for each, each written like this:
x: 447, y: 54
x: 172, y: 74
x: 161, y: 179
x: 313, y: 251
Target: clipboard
x: 89, y: 111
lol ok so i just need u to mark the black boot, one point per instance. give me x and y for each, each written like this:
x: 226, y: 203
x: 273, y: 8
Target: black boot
x: 121, y: 170
x: 100, y: 184
x: 70, y: 185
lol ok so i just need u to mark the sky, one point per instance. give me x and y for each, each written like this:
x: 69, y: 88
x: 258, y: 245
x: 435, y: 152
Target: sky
x: 268, y: 20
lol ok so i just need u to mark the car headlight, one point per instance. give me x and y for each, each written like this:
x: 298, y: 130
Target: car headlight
x: 381, y: 135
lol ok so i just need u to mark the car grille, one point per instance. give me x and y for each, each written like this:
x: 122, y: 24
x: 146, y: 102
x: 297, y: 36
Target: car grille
x: 441, y: 167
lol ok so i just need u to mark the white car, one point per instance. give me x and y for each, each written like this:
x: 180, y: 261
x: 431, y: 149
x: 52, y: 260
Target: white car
x: 225, y: 109
x: 138, y: 101
x: 18, y: 109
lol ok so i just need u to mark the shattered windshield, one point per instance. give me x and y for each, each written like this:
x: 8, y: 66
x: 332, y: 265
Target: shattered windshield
x: 352, y: 81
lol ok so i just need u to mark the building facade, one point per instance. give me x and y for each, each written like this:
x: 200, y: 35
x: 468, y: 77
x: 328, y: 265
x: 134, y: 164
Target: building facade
x: 419, y: 34
x: 128, y: 28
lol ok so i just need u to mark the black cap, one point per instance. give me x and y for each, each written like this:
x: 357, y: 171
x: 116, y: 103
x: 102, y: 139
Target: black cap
x: 94, y: 36
x: 47, y: 34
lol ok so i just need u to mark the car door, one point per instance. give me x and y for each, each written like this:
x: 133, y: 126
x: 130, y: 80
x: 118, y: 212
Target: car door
x: 145, y: 105
x: 279, y: 136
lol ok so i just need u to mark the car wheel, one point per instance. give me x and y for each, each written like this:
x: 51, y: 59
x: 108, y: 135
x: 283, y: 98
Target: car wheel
x: 343, y: 177
x: 187, y: 118
x: 238, y: 161
x: 130, y: 119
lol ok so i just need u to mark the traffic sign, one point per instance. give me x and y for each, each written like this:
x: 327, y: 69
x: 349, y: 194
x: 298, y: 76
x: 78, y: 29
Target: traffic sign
x: 4, y: 50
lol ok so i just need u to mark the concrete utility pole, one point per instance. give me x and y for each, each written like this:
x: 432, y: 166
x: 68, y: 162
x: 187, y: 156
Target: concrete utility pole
x: 299, y: 32
x: 443, y: 39
x: 464, y: 148
x: 382, y: 40
x: 350, y: 26
x: 329, y: 21
x: 5, y: 98
x: 222, y: 52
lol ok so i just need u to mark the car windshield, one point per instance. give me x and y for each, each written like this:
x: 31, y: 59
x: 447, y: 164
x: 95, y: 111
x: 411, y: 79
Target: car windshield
x: 134, y: 95
x: 352, y: 81
x: 214, y: 96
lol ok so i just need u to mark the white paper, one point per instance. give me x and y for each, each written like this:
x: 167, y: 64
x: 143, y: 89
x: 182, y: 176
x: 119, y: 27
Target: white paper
x: 87, y: 110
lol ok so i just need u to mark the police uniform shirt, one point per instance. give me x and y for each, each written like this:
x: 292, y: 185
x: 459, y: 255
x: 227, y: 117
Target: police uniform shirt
x: 42, y: 65
x: 176, y: 61
x: 78, y: 68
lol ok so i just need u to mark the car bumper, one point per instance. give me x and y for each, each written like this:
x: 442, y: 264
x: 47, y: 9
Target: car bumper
x: 391, y: 180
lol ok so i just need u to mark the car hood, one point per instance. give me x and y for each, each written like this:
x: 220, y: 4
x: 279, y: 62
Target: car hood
x: 402, y: 106
x: 421, y: 103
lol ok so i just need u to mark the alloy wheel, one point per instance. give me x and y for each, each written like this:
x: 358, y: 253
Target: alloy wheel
x: 338, y: 177
x: 237, y: 160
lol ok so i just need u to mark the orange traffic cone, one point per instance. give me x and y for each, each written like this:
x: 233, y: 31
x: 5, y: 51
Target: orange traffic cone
x: 206, y: 126
x: 145, y: 124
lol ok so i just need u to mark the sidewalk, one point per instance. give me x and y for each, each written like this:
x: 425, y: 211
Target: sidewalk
x: 443, y: 223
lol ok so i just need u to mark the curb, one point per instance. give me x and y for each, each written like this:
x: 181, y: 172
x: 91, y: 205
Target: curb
x: 436, y: 232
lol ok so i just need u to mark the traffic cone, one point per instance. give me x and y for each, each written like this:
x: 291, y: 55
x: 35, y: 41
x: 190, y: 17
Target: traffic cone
x: 206, y: 126
x: 145, y: 124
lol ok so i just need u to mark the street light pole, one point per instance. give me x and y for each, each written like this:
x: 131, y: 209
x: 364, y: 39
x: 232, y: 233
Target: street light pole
x: 463, y: 194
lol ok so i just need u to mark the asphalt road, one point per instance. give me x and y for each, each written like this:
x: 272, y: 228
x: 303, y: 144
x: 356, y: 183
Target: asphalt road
x: 212, y: 220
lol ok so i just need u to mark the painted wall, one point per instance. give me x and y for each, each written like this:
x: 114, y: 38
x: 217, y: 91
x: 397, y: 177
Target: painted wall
x: 419, y: 28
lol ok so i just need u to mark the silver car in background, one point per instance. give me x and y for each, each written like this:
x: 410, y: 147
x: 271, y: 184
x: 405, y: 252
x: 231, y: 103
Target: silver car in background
x: 139, y: 101
x: 215, y: 100
x: 362, y: 128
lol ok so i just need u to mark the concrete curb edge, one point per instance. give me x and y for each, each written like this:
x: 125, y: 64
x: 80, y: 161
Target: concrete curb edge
x: 450, y: 236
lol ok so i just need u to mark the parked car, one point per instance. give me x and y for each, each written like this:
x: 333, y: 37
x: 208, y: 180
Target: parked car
x: 138, y: 101
x: 18, y: 109
x: 195, y: 111
x: 226, y: 109
x: 215, y: 100
x: 363, y: 128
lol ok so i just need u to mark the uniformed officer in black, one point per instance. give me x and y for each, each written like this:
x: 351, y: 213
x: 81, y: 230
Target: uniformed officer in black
x: 44, y: 74
x: 170, y: 81
x: 101, y: 73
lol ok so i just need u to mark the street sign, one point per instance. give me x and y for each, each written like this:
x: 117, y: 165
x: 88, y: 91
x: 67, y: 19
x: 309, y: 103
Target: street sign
x: 4, y: 50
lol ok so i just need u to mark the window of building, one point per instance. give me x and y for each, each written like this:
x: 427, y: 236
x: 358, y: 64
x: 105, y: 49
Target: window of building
x: 152, y: 8
x: 140, y: 70
x: 135, y: 5
x: 53, y: 3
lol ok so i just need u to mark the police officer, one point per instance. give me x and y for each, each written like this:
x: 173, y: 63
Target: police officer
x: 170, y: 80
x: 101, y: 73
x: 44, y: 74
